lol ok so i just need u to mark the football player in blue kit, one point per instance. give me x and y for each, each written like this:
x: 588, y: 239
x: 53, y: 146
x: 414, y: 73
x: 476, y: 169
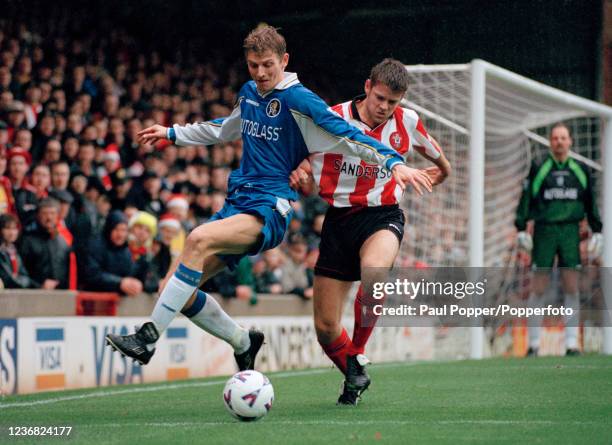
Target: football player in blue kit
x: 280, y: 122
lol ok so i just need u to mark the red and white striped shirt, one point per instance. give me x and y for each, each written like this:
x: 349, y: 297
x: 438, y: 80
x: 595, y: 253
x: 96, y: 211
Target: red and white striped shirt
x: 347, y: 181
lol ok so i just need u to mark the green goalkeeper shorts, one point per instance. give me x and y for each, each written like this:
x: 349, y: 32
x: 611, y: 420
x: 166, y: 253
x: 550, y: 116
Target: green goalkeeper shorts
x: 556, y: 239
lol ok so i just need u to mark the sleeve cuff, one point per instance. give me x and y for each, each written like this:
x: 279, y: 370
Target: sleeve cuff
x: 392, y: 163
x: 171, y: 134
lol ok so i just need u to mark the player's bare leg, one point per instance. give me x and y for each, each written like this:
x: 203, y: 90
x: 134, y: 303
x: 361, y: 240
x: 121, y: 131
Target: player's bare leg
x: 541, y: 280
x: 377, y: 255
x: 233, y: 235
x: 329, y: 296
x: 571, y: 299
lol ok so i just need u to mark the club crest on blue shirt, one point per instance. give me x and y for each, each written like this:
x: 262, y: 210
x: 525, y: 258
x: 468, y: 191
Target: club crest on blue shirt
x: 273, y: 108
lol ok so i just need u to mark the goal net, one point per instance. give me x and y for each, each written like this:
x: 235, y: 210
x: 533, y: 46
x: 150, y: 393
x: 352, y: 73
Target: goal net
x: 517, y: 116
x: 517, y: 123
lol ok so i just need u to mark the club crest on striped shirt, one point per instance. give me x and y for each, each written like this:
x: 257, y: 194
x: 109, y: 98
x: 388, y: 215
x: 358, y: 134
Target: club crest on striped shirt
x: 395, y: 140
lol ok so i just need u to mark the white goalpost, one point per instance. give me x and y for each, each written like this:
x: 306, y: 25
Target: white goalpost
x: 491, y: 123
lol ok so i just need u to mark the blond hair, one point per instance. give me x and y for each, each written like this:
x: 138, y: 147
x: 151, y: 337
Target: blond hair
x: 264, y: 38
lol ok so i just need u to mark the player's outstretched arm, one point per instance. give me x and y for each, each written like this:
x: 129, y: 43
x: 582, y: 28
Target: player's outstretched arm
x: 301, y: 176
x: 325, y: 131
x: 225, y: 129
x: 439, y: 172
x: 152, y: 134
x: 430, y: 150
x: 405, y: 176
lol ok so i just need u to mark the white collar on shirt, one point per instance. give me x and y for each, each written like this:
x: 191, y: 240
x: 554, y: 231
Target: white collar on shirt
x: 289, y: 79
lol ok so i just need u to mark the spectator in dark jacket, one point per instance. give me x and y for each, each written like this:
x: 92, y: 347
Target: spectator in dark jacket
x: 46, y: 255
x: 109, y: 267
x: 13, y: 274
x: 23, y: 193
x: 145, y: 195
x: 237, y: 283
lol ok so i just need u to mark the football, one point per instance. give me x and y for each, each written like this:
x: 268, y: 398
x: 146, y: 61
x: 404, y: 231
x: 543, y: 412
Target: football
x: 248, y: 395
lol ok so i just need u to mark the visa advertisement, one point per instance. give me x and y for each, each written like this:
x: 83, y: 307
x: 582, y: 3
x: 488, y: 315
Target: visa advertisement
x: 45, y: 354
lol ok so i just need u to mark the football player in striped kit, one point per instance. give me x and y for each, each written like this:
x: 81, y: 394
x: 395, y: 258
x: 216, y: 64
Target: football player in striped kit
x: 280, y: 122
x: 364, y: 225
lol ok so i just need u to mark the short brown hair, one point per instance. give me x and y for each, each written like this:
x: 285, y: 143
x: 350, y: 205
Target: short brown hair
x: 6, y: 220
x: 264, y: 38
x: 561, y: 125
x: 392, y: 73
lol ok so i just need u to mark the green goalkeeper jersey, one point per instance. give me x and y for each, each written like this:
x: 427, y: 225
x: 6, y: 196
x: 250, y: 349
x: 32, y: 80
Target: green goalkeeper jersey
x: 556, y: 192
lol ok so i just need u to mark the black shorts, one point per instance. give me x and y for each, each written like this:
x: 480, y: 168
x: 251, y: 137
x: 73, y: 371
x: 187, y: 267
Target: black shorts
x: 345, y: 229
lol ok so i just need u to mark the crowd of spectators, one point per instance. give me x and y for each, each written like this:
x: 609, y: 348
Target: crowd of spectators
x: 83, y: 205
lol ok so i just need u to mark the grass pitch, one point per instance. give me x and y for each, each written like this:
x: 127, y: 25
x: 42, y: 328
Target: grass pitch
x: 543, y: 400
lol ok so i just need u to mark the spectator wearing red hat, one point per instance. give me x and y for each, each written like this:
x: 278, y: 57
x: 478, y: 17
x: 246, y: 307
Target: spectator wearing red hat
x: 111, y: 164
x: 178, y: 206
x: 23, y: 193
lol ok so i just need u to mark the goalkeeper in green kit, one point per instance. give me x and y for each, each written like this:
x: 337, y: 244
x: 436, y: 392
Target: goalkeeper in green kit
x: 557, y: 195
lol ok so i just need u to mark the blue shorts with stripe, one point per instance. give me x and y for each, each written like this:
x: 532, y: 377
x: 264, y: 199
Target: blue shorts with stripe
x: 276, y: 214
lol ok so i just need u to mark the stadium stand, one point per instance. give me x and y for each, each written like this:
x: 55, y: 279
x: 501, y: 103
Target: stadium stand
x: 70, y: 108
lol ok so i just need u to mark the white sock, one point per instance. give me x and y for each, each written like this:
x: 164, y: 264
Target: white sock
x: 534, y: 323
x: 207, y: 314
x: 179, y: 288
x: 572, y: 321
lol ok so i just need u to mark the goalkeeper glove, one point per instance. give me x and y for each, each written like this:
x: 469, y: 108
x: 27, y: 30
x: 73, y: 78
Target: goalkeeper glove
x: 524, y: 240
x: 595, y: 247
